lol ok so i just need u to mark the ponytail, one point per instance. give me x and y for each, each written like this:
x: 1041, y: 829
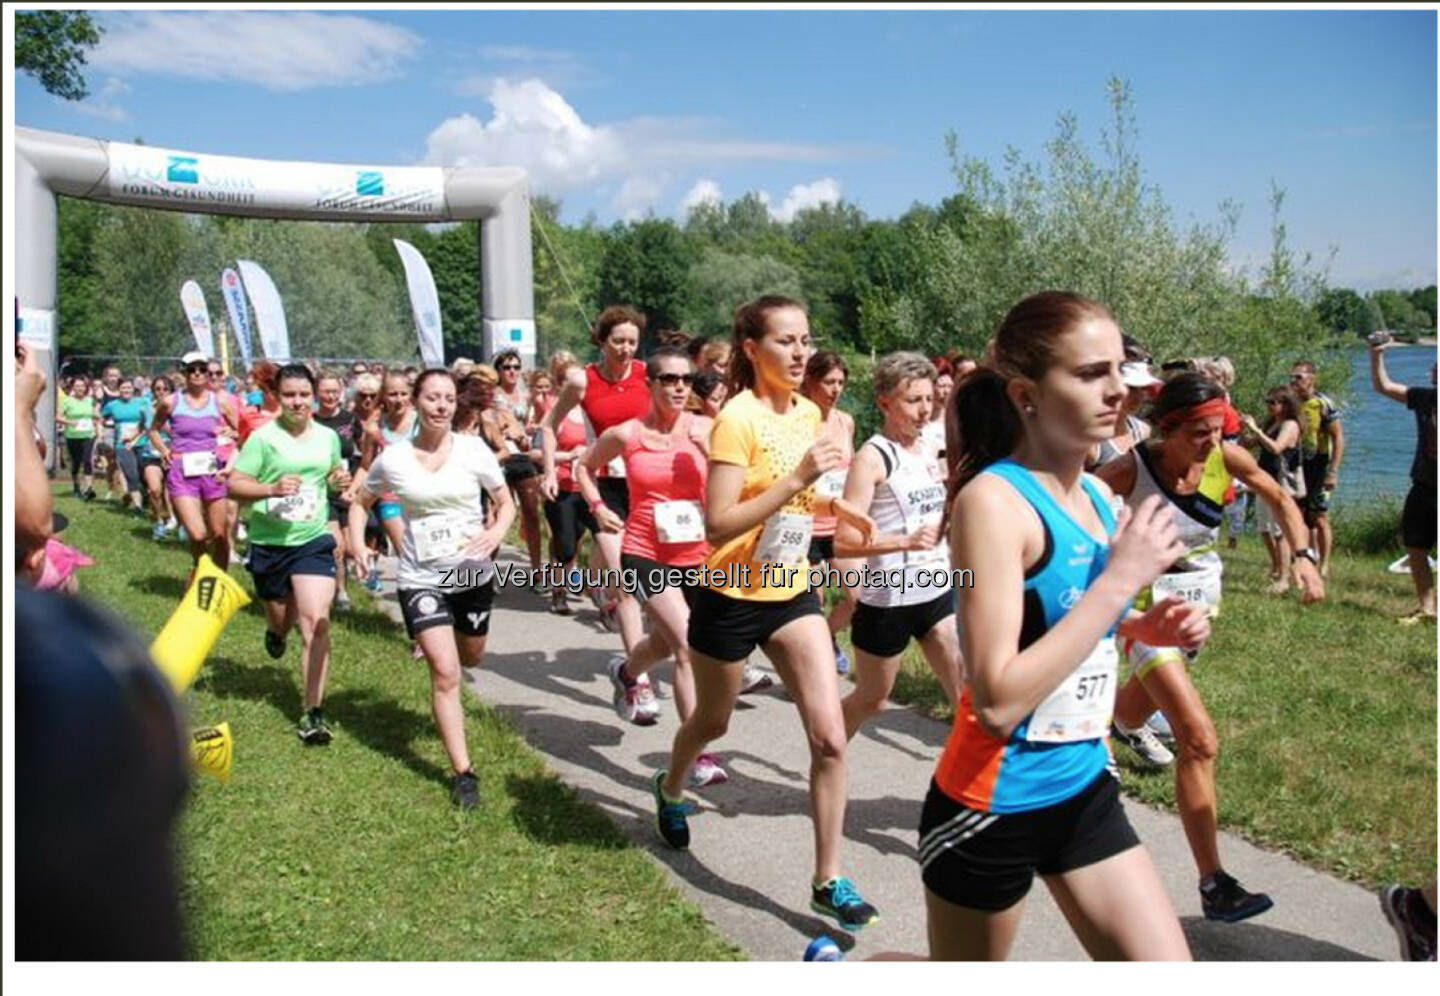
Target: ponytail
x: 987, y: 425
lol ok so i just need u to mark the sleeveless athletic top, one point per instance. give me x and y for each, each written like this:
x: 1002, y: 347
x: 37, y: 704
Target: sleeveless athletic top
x: 911, y: 495
x: 1017, y: 774
x: 1197, y: 516
x: 666, y: 478
x: 192, y: 430
x: 831, y: 484
x: 1282, y: 466
x: 1109, y: 451
x: 574, y: 431
x: 389, y: 435
x: 607, y: 404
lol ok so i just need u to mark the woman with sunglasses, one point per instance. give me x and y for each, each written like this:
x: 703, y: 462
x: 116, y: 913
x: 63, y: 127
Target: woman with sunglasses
x: 445, y: 578
x: 767, y: 450
x: 396, y: 423
x: 1279, y: 443
x: 77, y: 416
x: 665, y: 457
x: 609, y: 392
x: 197, y: 480
x: 286, y: 470
x: 152, y: 467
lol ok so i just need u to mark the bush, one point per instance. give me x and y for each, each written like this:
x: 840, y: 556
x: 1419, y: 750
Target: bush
x: 1369, y: 525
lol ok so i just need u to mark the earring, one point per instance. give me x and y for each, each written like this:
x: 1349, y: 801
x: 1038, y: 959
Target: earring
x: 1029, y: 409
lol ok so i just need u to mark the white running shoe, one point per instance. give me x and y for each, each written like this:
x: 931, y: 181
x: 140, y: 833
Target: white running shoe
x: 649, y: 707
x: 707, y: 771
x: 754, y: 680
x: 629, y: 699
x: 1144, y: 744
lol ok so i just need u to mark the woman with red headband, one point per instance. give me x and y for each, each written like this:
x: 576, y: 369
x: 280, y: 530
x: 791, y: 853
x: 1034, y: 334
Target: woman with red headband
x: 1191, y: 469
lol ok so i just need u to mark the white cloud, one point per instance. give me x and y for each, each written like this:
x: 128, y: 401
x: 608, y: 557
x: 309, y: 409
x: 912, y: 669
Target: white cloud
x: 279, y: 50
x: 557, y: 68
x: 533, y: 126
x: 637, y: 194
x: 103, y: 104
x: 705, y: 191
x: 826, y: 190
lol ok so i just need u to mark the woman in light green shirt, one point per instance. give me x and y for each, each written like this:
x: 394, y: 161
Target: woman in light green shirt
x: 286, y: 468
x: 77, y: 416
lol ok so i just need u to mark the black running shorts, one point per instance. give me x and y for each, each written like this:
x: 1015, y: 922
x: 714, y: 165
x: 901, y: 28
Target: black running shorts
x: 887, y: 632
x: 729, y: 629
x: 987, y: 861
x: 1417, y: 521
x: 466, y: 609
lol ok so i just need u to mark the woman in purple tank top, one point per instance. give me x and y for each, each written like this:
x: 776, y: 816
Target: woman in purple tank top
x: 196, y: 479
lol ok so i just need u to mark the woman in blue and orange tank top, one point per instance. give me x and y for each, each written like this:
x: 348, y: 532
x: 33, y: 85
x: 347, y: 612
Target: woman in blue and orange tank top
x: 1025, y: 784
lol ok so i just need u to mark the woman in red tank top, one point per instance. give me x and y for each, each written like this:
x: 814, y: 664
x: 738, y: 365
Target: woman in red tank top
x: 610, y: 392
x: 665, y: 456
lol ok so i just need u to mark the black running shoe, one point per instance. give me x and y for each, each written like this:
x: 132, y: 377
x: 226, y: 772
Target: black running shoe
x: 837, y: 898
x: 312, y: 730
x: 1228, y: 901
x: 1403, y: 908
x: 274, y: 645
x: 465, y: 790
x: 671, y: 817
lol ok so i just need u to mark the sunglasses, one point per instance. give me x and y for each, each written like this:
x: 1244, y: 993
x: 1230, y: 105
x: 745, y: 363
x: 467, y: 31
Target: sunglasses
x: 216, y: 373
x: 197, y: 368
x: 671, y: 379
x: 509, y: 366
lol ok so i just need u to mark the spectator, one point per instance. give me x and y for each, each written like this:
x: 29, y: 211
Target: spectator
x: 1417, y: 522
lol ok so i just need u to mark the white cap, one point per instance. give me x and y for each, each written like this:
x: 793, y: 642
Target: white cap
x: 194, y: 356
x: 1138, y: 375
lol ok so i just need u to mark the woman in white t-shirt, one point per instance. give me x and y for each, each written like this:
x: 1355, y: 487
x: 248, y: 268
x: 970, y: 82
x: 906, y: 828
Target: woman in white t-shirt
x: 445, y: 578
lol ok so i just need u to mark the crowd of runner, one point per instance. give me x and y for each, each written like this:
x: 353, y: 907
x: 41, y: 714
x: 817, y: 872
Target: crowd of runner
x: 1085, y: 488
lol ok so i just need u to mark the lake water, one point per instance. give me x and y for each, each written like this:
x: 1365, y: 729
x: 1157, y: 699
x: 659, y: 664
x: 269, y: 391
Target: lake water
x: 1379, y: 433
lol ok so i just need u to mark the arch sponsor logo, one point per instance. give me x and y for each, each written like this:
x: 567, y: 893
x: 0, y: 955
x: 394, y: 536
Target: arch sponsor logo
x: 160, y: 174
x: 405, y: 190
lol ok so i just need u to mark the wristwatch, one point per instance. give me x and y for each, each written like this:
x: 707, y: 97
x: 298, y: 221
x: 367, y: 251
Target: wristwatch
x: 1310, y: 554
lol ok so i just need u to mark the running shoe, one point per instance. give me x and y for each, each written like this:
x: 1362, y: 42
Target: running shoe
x: 627, y: 697
x: 1161, y: 727
x: 707, y: 771
x: 754, y: 680
x: 824, y: 948
x: 312, y: 730
x: 1416, y: 617
x: 608, y: 617
x: 842, y: 662
x: 159, y: 532
x: 342, y: 601
x: 274, y: 645
x: 181, y: 534
x: 1405, y: 909
x: 837, y: 898
x: 671, y: 816
x: 559, y: 604
x: 1228, y: 901
x: 1144, y: 744
x: 89, y: 495
x: 465, y: 790
x: 372, y: 580
x: 649, y: 707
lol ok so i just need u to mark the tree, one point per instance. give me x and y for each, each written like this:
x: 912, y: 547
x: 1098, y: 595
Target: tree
x: 646, y: 264
x: 50, y: 45
x: 720, y: 282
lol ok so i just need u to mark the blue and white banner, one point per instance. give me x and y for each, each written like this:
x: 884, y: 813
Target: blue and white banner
x: 234, y: 295
x: 424, y: 304
x: 192, y: 299
x: 269, y: 312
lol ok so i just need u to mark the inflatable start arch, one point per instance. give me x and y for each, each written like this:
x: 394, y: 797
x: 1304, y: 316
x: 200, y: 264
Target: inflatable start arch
x: 49, y: 164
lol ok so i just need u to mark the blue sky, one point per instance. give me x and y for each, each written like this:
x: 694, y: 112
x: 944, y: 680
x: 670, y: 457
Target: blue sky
x: 623, y: 113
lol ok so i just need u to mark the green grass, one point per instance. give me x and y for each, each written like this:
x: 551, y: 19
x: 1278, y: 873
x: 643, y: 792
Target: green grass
x: 353, y: 851
x: 1325, y: 714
